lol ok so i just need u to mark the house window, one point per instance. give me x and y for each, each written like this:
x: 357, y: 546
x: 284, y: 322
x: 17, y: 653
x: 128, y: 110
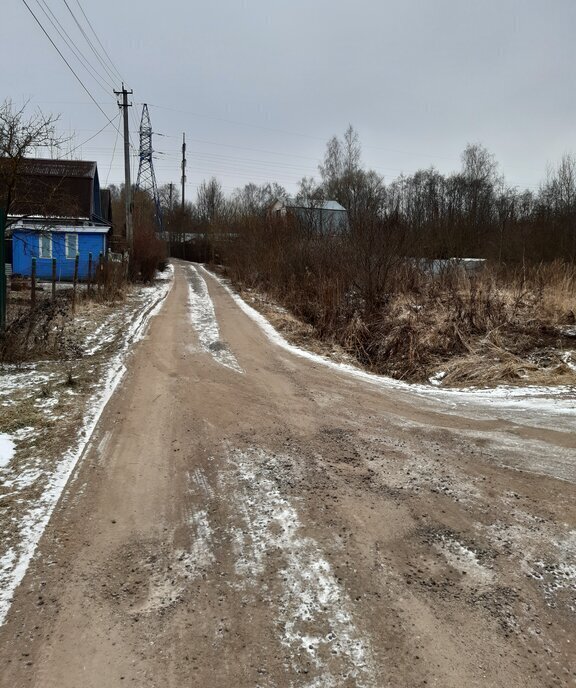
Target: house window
x: 71, y: 246
x: 45, y: 245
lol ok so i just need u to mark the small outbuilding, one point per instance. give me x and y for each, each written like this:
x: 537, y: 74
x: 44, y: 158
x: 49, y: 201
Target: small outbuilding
x: 320, y: 217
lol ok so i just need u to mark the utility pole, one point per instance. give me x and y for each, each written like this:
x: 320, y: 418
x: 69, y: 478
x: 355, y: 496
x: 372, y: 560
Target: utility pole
x: 124, y: 105
x: 183, y: 167
x: 171, y: 195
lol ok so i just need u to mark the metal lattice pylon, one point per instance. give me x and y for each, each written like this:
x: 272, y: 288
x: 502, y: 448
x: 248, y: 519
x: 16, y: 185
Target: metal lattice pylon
x: 146, y: 178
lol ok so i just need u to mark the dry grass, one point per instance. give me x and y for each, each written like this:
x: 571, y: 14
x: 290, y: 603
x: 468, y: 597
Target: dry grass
x: 47, y: 329
x: 22, y: 415
x: 497, y: 326
x: 481, y: 330
x: 489, y: 365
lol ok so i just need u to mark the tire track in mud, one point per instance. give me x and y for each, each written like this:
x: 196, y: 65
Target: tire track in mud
x: 313, y: 617
x: 322, y: 644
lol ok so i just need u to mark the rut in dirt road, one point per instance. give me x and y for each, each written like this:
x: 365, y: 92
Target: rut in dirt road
x: 247, y: 517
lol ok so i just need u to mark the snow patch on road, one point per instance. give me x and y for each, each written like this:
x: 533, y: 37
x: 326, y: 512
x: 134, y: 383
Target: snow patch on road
x: 36, y: 517
x: 198, y: 477
x: 556, y: 571
x: 464, y: 559
x: 314, y: 612
x: 204, y: 321
x: 556, y: 580
x: 541, y: 554
x: 200, y: 555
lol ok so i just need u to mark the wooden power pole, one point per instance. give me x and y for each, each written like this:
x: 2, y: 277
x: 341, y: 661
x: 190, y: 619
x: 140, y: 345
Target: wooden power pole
x: 124, y: 105
x: 183, y: 167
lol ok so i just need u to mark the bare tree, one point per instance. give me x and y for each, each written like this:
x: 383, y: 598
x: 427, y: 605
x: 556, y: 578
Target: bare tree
x: 21, y: 135
x: 210, y: 201
x: 253, y: 199
x: 341, y: 167
x: 344, y: 180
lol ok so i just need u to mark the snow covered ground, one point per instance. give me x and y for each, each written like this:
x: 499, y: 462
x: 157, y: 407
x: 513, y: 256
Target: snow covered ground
x: 48, y: 411
x: 6, y: 449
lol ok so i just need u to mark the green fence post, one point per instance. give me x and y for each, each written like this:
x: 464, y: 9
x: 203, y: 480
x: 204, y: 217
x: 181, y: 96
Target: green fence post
x: 53, y: 279
x: 89, y: 272
x: 2, y: 269
x: 75, y: 282
x: 33, y: 284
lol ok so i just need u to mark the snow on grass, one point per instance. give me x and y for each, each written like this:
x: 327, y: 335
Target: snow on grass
x: 314, y: 619
x: 100, y: 338
x: 7, y: 448
x: 546, y: 407
x: 35, y: 516
x: 437, y: 378
x: 16, y: 377
x: 204, y: 321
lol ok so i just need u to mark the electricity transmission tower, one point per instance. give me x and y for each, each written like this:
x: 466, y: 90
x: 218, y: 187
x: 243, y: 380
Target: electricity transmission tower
x: 146, y: 178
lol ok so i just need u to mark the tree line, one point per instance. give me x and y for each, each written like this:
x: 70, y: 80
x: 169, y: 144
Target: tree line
x: 472, y: 212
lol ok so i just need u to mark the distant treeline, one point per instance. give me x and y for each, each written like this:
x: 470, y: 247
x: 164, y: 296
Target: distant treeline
x: 366, y: 286
x: 470, y: 213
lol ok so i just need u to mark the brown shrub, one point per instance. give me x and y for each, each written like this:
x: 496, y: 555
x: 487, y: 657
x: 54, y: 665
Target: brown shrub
x: 396, y: 318
x: 149, y: 254
x: 41, y: 332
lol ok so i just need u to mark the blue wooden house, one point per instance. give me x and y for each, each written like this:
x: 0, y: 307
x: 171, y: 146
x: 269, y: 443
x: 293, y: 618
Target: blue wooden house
x: 61, y: 242
x: 56, y: 213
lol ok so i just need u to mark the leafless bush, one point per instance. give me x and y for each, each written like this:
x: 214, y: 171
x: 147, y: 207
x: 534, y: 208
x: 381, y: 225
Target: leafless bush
x: 110, y: 282
x: 397, y: 318
x: 149, y: 254
x: 41, y: 332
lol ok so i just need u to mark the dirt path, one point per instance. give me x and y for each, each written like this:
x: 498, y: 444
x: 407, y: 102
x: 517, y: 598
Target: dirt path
x: 244, y: 517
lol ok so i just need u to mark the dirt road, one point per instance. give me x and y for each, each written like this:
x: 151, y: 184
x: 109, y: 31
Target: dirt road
x: 244, y: 517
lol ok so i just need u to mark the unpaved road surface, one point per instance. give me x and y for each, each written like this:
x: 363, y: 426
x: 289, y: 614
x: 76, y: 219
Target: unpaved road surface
x: 246, y: 517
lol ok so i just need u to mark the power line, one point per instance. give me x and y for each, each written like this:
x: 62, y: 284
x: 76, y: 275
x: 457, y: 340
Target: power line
x: 106, y: 68
x: 99, y: 41
x: 73, y: 47
x: 96, y: 134
x: 291, y: 133
x: 113, y: 154
x: 231, y: 121
x: 66, y: 61
x: 215, y: 157
x: 255, y: 150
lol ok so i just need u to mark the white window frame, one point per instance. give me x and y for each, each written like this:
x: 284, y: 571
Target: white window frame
x: 41, y: 253
x: 69, y: 255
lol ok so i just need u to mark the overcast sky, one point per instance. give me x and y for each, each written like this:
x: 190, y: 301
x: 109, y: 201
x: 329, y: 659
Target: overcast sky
x: 260, y: 85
